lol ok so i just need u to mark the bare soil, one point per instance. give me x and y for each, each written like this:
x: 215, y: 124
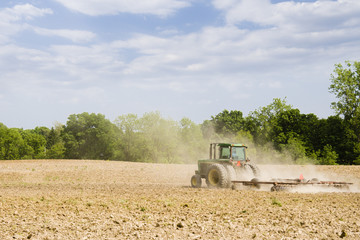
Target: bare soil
x: 81, y: 199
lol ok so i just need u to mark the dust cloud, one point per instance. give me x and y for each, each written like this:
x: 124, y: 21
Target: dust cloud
x: 281, y: 165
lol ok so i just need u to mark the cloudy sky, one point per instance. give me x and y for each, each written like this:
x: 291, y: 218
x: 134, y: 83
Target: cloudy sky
x: 183, y: 58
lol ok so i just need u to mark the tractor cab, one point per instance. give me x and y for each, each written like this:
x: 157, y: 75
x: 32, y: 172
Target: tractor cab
x: 231, y: 151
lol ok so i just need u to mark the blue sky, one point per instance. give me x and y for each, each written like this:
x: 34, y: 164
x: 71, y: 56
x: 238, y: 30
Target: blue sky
x: 183, y: 58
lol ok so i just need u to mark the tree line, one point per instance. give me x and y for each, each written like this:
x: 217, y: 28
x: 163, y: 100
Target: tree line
x: 150, y: 138
x: 277, y: 130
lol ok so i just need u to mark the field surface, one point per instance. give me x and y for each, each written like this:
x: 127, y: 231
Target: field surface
x: 80, y: 199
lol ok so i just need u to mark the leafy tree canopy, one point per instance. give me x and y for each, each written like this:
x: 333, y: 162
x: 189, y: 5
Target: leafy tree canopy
x: 228, y: 122
x: 89, y: 136
x: 345, y: 84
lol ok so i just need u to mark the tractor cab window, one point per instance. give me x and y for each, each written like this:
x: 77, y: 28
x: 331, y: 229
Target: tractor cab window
x: 225, y: 153
x: 238, y: 153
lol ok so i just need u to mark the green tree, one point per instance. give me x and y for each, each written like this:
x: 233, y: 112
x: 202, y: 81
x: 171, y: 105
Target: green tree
x: 37, y: 142
x: 334, y: 132
x: 208, y: 131
x: 56, y: 151
x: 261, y: 121
x: 131, y: 142
x: 309, y: 128
x: 152, y: 138
x: 292, y: 124
x: 55, y: 145
x: 286, y: 126
x: 328, y: 156
x: 12, y: 145
x: 43, y: 131
x: 295, y: 149
x: 89, y: 136
x: 228, y: 122
x: 192, y: 143
x: 161, y: 138
x: 345, y: 84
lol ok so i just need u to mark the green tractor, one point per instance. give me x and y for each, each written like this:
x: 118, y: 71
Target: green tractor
x: 228, y: 162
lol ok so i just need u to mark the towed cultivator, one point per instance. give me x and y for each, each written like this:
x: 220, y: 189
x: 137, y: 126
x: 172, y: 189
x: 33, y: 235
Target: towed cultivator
x: 288, y: 184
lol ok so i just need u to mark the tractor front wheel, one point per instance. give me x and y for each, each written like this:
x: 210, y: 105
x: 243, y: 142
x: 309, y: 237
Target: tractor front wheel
x: 196, y: 181
x: 217, y: 177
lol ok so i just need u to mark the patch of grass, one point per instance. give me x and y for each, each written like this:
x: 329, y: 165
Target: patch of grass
x: 70, y: 201
x: 168, y: 203
x: 276, y: 202
x: 124, y: 203
x: 51, y: 178
x: 104, y: 205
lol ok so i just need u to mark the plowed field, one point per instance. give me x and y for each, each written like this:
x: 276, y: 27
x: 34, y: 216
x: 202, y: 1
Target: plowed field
x: 66, y: 199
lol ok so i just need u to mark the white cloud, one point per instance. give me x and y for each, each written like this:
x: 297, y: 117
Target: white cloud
x: 213, y: 50
x: 259, y: 11
x: 14, y: 20
x: 76, y: 36
x: 11, y: 19
x: 168, y: 31
x: 227, y: 52
x: 110, y: 7
x: 25, y: 11
x: 294, y: 16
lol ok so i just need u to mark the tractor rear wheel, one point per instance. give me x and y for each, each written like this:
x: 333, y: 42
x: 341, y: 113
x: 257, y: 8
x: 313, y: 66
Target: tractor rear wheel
x: 231, y: 174
x: 196, y: 181
x: 252, y: 168
x: 217, y: 176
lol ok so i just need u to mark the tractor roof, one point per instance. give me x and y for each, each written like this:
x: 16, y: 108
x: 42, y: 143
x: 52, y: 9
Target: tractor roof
x: 231, y: 145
